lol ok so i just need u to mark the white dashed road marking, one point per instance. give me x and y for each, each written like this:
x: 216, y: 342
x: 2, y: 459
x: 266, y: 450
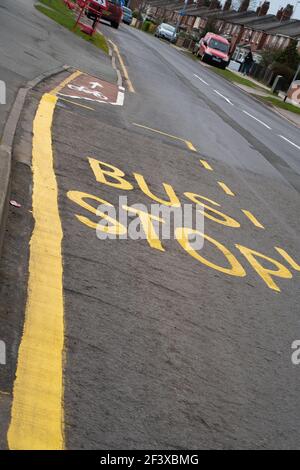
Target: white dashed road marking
x: 258, y: 120
x: 289, y: 141
x: 201, y: 79
x: 226, y: 99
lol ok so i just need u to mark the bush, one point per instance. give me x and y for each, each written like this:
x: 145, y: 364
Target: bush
x: 284, y: 70
x: 269, y: 57
x: 136, y: 14
x: 146, y: 25
x: 290, y: 56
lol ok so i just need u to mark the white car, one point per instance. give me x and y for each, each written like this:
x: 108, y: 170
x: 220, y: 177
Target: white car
x: 166, y: 31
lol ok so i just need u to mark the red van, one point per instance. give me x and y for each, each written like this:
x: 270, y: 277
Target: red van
x: 113, y: 13
x: 214, y: 49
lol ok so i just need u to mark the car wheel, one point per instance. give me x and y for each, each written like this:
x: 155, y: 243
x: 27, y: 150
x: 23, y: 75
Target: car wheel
x: 114, y: 24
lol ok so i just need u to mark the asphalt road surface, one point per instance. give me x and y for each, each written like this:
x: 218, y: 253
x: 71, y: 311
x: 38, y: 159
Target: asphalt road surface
x: 31, y: 44
x: 164, y: 346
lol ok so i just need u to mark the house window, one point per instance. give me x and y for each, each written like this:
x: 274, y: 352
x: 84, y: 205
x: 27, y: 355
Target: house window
x: 259, y: 38
x: 280, y: 42
x: 197, y: 22
x: 287, y: 43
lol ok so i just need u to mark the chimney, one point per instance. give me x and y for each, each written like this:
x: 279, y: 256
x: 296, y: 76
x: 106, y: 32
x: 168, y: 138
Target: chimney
x: 263, y: 9
x: 287, y: 12
x: 244, y: 5
x: 214, y: 4
x: 279, y: 13
x: 227, y: 5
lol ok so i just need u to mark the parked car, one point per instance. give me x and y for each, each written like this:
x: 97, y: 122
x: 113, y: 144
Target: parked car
x: 214, y: 49
x: 113, y: 13
x: 166, y: 31
x: 127, y: 15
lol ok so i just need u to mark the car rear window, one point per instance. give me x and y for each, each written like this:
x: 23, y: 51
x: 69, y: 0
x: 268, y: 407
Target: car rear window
x: 168, y: 27
x: 115, y: 2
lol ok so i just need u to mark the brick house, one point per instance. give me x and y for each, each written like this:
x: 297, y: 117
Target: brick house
x: 198, y: 19
x: 244, y: 28
x: 257, y: 30
x: 280, y: 37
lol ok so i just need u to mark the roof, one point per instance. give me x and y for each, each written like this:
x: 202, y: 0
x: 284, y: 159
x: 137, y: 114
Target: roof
x: 175, y: 6
x: 287, y: 28
x: 165, y: 4
x: 204, y: 14
x: 258, y: 19
x: 249, y: 19
x: 232, y: 16
x: 245, y: 17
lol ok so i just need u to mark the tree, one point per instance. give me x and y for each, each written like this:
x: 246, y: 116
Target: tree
x: 289, y: 56
x: 210, y: 27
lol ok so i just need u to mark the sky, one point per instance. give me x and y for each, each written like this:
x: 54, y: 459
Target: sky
x: 276, y: 4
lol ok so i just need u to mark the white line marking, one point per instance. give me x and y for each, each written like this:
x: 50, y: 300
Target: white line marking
x: 258, y: 120
x: 290, y: 142
x: 201, y: 79
x: 226, y: 99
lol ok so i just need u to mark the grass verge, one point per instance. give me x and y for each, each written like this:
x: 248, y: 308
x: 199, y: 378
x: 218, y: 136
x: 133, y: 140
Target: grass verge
x: 228, y: 75
x: 279, y: 104
x: 232, y: 77
x: 57, y: 11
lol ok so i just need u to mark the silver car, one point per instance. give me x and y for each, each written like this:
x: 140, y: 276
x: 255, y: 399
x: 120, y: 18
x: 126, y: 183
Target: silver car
x: 166, y: 31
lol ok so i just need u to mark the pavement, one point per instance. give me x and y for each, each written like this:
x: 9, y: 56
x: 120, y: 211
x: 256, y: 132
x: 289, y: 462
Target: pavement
x: 290, y: 116
x: 32, y: 44
x: 145, y: 343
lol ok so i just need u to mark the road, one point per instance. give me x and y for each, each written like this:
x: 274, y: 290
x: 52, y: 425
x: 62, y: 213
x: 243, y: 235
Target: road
x: 164, y: 346
x: 31, y: 44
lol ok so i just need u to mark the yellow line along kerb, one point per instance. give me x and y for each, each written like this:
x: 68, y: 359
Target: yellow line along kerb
x: 124, y: 69
x: 37, y: 406
x: 69, y: 79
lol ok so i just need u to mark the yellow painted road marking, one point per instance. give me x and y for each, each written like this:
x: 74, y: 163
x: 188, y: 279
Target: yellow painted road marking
x: 76, y: 104
x: 225, y: 188
x: 190, y: 145
x: 206, y: 165
x: 123, y: 66
x: 288, y: 258
x: 65, y: 82
x: 187, y: 142
x: 252, y: 218
x: 37, y: 407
